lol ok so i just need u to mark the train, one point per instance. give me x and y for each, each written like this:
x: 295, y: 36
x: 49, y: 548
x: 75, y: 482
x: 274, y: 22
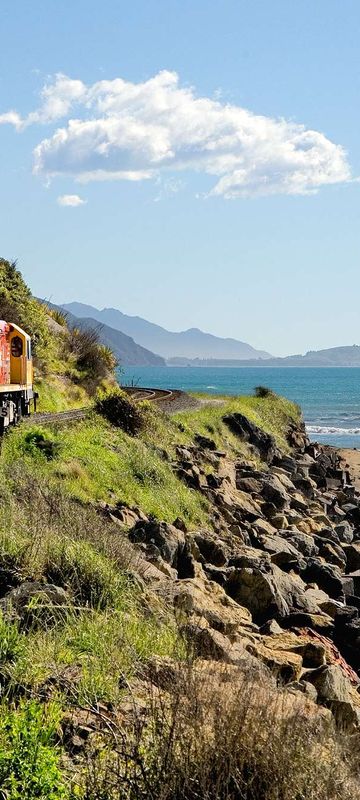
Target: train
x: 17, y: 395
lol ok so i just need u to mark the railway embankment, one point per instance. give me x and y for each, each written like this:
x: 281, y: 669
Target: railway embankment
x: 179, y: 605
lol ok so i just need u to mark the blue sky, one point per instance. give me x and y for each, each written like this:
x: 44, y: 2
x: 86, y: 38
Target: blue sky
x: 196, y: 163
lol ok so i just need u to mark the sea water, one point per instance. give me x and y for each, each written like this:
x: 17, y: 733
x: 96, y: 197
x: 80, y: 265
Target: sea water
x: 329, y: 397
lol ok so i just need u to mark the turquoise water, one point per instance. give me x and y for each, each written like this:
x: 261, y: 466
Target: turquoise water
x: 329, y: 397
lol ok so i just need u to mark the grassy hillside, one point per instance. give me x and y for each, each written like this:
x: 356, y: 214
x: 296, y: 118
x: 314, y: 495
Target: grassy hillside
x: 76, y: 655
x: 70, y: 364
x: 102, y: 696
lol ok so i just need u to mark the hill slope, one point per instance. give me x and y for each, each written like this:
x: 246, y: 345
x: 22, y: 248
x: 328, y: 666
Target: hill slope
x: 124, y: 348
x: 192, y: 343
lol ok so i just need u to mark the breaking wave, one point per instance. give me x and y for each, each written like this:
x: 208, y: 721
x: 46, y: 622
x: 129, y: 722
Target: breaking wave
x: 330, y: 430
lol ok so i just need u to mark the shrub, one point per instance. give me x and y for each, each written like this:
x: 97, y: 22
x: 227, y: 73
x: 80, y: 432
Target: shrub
x: 59, y: 316
x: 263, y: 391
x: 37, y: 441
x: 93, y: 359
x: 215, y: 734
x: 29, y: 759
x: 121, y: 412
x: 17, y: 305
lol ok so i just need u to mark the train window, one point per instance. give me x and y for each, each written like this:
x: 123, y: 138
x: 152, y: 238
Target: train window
x: 16, y: 347
x: 28, y: 348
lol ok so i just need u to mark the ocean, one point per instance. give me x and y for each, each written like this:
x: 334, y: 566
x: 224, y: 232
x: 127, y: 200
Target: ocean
x: 329, y: 397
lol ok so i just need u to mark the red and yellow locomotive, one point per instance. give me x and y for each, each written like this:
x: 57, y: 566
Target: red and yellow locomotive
x: 16, y: 374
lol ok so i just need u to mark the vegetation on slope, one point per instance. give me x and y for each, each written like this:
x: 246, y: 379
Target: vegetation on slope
x: 70, y: 363
x: 83, y: 630
x: 58, y: 661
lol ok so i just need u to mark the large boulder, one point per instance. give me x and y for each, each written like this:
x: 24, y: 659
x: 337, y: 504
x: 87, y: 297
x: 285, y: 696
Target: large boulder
x: 274, y: 492
x: 249, y: 432
x: 269, y: 593
x: 197, y: 598
x: 161, y: 542
x: 326, y: 576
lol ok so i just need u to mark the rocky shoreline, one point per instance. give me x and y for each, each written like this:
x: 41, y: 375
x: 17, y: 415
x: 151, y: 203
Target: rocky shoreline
x: 275, y: 586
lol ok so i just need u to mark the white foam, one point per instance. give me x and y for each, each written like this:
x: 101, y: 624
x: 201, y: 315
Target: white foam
x: 332, y: 431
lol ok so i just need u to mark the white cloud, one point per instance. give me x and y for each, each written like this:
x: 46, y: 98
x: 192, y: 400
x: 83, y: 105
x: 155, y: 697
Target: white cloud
x: 72, y: 200
x: 136, y: 131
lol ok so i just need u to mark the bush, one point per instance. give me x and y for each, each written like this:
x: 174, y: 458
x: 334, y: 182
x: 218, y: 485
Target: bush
x: 215, y: 734
x: 93, y: 359
x: 17, y: 305
x: 37, y: 441
x: 263, y: 391
x: 116, y: 407
x: 28, y: 757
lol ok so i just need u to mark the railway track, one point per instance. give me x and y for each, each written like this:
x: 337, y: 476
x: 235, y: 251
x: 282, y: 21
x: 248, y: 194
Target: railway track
x: 170, y: 400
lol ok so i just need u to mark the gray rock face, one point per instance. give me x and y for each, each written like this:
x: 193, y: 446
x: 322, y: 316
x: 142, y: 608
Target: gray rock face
x: 161, y: 543
x: 327, y: 577
x: 269, y: 594
x: 274, y: 492
x: 251, y: 433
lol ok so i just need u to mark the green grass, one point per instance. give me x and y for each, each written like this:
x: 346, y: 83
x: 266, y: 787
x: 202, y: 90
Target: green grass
x: 97, y: 462
x: 29, y: 757
x: 58, y: 393
x: 52, y: 480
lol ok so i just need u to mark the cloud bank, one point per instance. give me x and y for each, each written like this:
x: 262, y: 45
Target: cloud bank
x: 118, y: 130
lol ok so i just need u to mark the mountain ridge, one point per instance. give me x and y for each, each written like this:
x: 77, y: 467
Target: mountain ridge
x: 343, y: 356
x: 128, y: 352
x: 190, y: 343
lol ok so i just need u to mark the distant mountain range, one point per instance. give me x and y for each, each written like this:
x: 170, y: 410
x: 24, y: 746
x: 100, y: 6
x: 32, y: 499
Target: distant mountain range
x: 142, y: 343
x: 124, y: 348
x: 192, y: 343
x: 333, y: 357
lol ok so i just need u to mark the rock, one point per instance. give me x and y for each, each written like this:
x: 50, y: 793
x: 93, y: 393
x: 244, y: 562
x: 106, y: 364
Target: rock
x: 274, y: 492
x: 33, y: 602
x: 352, y: 554
x: 251, y: 433
x: 297, y: 501
x: 279, y: 521
x: 211, y: 644
x: 335, y: 691
x: 285, y: 666
x: 167, y: 539
x: 356, y: 581
x: 305, y: 486
x: 269, y: 594
x: 281, y: 552
x: 212, y: 549
x: 345, y: 532
x: 305, y: 687
x: 204, y: 442
x: 330, y: 683
x: 327, y: 577
x: 262, y: 526
x: 303, y: 542
x: 250, y: 485
x: 198, y: 598
x: 331, y: 552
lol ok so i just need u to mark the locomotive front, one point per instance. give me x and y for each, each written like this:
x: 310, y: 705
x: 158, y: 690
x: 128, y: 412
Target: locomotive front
x: 16, y: 374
